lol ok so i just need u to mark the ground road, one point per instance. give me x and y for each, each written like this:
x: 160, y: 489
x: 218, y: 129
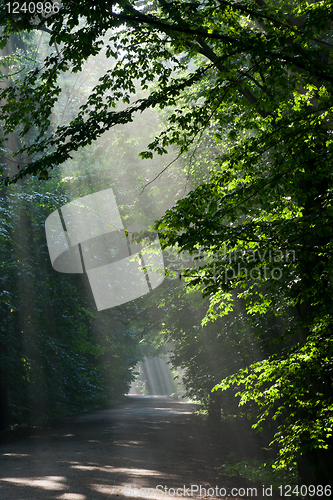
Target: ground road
x: 148, y: 447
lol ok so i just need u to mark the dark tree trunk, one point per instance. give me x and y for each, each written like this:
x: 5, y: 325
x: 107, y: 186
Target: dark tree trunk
x: 214, y: 408
x: 4, y: 410
x: 316, y: 467
x: 4, y: 407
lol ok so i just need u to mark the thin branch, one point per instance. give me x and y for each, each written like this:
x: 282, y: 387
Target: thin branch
x: 199, y: 131
x: 56, y: 47
x: 42, y: 28
x: 3, y: 76
x: 323, y: 43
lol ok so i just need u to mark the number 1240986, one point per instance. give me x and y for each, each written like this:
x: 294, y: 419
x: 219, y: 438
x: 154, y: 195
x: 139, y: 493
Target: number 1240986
x: 33, y: 7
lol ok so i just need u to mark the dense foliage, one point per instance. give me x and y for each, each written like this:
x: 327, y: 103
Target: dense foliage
x: 57, y: 357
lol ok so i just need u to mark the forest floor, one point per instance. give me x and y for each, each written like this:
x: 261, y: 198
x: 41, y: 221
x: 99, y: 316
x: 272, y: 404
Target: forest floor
x: 147, y: 447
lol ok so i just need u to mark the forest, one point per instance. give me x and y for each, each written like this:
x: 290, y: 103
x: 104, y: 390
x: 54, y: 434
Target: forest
x: 211, y: 121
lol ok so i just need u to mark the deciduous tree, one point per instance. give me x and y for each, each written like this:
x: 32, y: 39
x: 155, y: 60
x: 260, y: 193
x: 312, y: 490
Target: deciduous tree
x: 260, y: 73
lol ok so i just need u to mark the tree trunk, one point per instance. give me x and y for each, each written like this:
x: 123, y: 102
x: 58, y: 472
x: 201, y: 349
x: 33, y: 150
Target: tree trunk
x: 4, y: 407
x: 214, y: 408
x: 4, y: 410
x: 316, y: 467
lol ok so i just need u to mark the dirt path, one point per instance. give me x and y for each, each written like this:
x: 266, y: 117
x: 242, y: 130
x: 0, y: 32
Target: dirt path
x: 115, y: 453
x: 135, y: 450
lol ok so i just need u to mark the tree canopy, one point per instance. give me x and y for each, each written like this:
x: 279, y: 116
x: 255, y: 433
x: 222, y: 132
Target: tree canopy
x: 252, y: 80
x: 256, y: 56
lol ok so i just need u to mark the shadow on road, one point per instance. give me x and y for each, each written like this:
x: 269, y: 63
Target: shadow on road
x: 135, y: 450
